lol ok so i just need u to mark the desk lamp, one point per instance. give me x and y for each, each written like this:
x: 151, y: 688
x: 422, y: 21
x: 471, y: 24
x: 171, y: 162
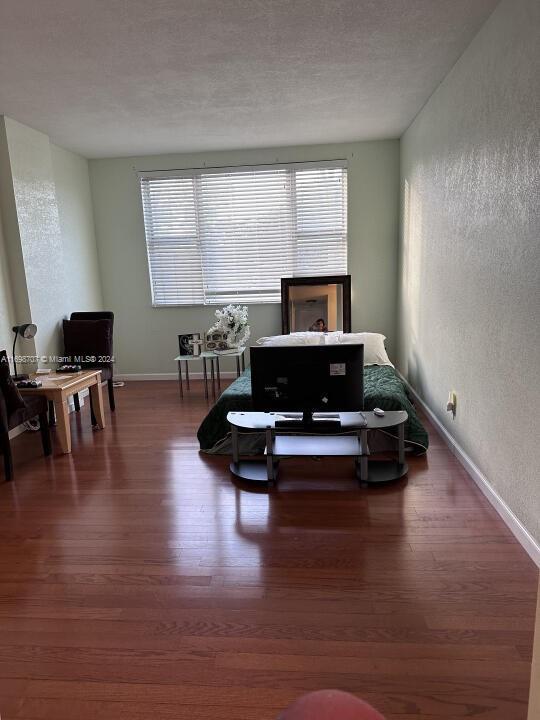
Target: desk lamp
x: 27, y: 332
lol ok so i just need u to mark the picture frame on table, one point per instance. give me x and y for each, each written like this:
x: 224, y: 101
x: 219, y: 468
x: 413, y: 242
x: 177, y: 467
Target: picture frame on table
x: 190, y: 344
x: 216, y: 341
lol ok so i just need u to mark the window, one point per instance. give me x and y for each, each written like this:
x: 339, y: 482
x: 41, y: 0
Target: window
x: 221, y: 236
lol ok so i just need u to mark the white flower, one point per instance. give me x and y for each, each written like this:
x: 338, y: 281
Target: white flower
x: 232, y: 320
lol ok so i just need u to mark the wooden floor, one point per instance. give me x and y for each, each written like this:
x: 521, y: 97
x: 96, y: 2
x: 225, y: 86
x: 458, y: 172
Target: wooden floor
x: 136, y: 581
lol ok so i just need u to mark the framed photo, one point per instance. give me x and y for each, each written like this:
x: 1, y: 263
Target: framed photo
x: 216, y: 341
x: 190, y: 344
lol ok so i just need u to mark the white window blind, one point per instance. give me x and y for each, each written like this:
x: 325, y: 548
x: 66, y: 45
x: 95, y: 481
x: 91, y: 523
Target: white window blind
x: 220, y: 236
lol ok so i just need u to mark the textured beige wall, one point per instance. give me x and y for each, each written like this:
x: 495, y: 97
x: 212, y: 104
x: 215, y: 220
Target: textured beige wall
x: 13, y: 263
x: 51, y: 256
x: 469, y: 298
x: 146, y: 337
x: 7, y: 312
x: 39, y: 233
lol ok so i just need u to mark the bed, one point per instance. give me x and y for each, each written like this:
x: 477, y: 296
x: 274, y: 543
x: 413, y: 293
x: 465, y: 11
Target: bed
x: 382, y: 388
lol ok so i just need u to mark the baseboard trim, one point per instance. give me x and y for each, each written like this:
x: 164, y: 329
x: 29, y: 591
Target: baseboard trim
x: 513, y: 523
x: 168, y: 376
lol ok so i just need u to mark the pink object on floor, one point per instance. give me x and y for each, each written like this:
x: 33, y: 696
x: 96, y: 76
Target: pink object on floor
x: 330, y: 705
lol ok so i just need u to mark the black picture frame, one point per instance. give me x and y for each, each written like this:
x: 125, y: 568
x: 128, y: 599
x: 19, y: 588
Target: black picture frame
x: 189, y: 344
x: 287, y: 283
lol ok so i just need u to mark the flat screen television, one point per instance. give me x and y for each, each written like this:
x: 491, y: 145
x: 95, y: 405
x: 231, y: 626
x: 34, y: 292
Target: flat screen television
x: 308, y: 379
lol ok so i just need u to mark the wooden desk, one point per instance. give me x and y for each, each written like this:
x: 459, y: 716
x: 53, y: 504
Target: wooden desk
x: 58, y: 387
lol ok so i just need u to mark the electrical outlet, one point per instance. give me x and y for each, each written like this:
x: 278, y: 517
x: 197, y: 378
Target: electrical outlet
x: 451, y: 405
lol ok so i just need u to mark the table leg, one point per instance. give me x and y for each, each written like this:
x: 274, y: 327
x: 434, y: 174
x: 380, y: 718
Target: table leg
x: 187, y: 374
x: 218, y: 375
x: 364, y: 469
x: 401, y: 444
x: 92, y: 414
x: 52, y: 419
x: 237, y: 366
x: 97, y: 403
x: 234, y: 443
x: 61, y: 410
x: 180, y: 383
x: 212, y: 375
x: 270, y: 455
x: 205, y: 375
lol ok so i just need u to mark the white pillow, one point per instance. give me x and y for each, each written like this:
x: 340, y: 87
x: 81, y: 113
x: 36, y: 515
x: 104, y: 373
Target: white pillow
x: 374, y: 350
x: 299, y: 338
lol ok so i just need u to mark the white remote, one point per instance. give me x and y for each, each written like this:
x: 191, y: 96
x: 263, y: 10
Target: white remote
x: 378, y: 412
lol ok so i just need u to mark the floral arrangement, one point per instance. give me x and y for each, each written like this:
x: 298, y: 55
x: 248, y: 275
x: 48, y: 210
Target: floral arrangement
x: 232, y: 321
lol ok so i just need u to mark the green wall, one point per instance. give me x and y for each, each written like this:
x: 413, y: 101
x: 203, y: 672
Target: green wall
x: 146, y: 337
x: 82, y: 289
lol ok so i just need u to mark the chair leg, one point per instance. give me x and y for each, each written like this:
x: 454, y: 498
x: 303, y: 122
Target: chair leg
x: 92, y: 414
x: 76, y: 402
x: 45, y: 434
x: 110, y: 387
x: 8, y: 460
x: 52, y: 416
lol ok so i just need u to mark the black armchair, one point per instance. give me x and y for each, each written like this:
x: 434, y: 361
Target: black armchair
x: 15, y: 410
x: 96, y: 340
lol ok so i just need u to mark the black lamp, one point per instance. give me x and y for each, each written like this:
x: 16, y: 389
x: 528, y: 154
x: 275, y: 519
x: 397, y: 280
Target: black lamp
x: 27, y: 332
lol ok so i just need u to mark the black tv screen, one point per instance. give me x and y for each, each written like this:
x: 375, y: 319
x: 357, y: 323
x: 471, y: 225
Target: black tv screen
x: 307, y: 378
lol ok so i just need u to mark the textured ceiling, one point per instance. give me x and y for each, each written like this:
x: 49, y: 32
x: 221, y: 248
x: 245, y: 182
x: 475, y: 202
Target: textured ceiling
x: 111, y: 77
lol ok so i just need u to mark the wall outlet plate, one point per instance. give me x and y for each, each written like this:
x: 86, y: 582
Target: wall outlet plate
x: 451, y: 405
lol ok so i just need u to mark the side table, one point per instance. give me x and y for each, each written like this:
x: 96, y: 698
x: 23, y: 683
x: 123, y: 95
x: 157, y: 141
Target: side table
x: 215, y: 373
x: 380, y: 471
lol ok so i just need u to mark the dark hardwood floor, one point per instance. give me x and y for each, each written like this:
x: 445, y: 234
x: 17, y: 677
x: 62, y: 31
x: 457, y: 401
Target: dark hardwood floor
x: 136, y: 581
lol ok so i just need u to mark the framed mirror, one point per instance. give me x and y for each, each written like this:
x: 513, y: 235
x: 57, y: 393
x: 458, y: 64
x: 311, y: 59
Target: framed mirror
x: 320, y: 304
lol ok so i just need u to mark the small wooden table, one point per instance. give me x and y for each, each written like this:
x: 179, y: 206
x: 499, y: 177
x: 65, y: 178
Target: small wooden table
x: 57, y: 387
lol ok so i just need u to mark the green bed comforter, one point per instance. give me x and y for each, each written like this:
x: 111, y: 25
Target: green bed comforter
x: 382, y: 388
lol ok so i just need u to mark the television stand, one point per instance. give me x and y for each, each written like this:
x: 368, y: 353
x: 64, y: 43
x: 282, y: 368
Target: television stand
x: 326, y: 436
x: 308, y: 422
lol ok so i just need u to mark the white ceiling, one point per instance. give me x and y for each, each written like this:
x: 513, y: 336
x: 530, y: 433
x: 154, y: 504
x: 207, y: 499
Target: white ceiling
x: 133, y: 77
